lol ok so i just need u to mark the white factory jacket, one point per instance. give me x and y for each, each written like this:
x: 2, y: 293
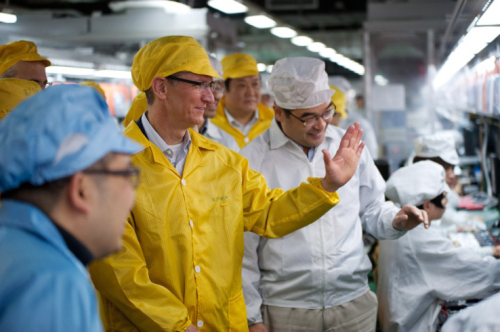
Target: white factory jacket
x: 421, y: 270
x: 323, y: 264
x: 482, y: 317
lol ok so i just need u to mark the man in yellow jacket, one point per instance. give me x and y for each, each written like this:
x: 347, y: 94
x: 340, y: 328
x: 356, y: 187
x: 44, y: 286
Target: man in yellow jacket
x: 21, y: 60
x: 240, y: 112
x: 180, y: 269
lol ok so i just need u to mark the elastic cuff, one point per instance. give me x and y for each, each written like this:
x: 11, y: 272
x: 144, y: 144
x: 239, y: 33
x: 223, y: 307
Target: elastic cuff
x: 332, y: 196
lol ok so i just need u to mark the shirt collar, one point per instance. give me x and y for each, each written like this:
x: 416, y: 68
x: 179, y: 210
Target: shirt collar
x: 236, y: 123
x: 76, y: 247
x: 212, y: 130
x: 156, y: 139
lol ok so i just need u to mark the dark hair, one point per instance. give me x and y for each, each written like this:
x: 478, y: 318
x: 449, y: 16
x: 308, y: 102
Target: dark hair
x: 434, y: 159
x: 150, y: 96
x: 226, y: 84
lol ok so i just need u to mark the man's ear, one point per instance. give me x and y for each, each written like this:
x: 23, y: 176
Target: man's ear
x: 78, y: 192
x: 160, y: 88
x: 278, y: 112
x: 426, y: 205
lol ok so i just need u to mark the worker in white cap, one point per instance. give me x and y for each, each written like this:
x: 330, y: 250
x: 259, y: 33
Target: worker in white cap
x: 67, y: 186
x: 440, y: 148
x: 180, y: 269
x: 421, y: 270
x: 208, y: 129
x: 482, y: 317
x: 315, y: 279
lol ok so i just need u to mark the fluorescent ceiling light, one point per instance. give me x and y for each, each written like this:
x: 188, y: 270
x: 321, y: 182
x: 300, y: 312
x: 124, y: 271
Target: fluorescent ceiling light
x: 260, y: 21
x: 8, y: 18
x: 70, y: 71
x: 492, y: 15
x: 468, y: 46
x: 108, y: 73
x: 71, y: 63
x: 381, y: 80
x: 167, y: 5
x: 283, y: 32
x: 316, y: 47
x: 301, y: 40
x: 261, y: 67
x: 327, y: 52
x: 228, y: 6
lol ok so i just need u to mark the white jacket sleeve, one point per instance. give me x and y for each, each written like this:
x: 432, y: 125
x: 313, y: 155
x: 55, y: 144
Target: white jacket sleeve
x: 251, y: 278
x: 455, y: 273
x: 480, y: 317
x: 376, y: 215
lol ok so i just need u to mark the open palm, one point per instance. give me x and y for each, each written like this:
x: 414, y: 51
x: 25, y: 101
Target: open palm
x: 341, y: 168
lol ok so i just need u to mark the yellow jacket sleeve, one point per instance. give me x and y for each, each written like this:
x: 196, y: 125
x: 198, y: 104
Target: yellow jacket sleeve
x: 274, y: 213
x: 149, y: 306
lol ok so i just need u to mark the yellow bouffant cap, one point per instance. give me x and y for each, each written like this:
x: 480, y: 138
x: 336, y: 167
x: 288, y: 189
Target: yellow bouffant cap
x: 22, y: 50
x: 239, y: 65
x: 13, y: 91
x: 169, y: 55
x: 138, y: 107
x: 95, y: 86
x: 338, y: 99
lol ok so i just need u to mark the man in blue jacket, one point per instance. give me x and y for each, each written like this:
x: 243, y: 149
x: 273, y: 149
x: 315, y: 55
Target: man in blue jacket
x: 67, y: 186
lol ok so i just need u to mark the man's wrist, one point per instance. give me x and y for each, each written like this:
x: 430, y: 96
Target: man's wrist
x: 328, y: 187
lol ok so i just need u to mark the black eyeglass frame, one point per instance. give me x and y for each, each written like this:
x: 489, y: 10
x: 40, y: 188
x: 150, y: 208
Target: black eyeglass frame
x: 315, y: 117
x: 134, y: 174
x: 202, y: 85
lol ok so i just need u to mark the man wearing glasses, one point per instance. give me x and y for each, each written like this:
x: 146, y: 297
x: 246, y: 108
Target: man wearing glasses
x: 314, y: 279
x: 181, y: 264
x: 21, y: 60
x: 67, y: 186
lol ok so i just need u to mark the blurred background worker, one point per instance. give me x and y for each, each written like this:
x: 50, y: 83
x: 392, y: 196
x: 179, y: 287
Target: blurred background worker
x: 421, y: 270
x: 208, y: 129
x: 240, y: 112
x: 440, y: 148
x: 13, y: 91
x: 314, y: 279
x: 339, y: 102
x: 21, y: 60
x: 180, y: 269
x: 67, y: 186
x: 482, y: 317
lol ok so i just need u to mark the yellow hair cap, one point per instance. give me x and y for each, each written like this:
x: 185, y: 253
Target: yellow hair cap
x: 239, y: 65
x: 22, y: 50
x: 169, y: 55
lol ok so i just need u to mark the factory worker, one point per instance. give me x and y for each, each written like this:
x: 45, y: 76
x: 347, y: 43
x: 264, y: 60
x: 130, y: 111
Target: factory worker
x: 338, y: 99
x: 314, y: 279
x: 481, y: 317
x: 21, y: 60
x: 440, y: 148
x: 67, y: 185
x: 240, y: 112
x: 180, y: 269
x: 208, y: 129
x: 423, y: 269
x: 13, y: 91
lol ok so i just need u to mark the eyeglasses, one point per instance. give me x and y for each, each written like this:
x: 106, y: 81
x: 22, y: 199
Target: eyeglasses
x: 308, y: 122
x: 202, y: 86
x: 132, y: 173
